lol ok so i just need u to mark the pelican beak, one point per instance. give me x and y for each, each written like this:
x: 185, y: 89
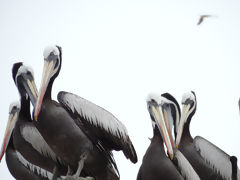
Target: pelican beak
x: 168, y: 124
x: 160, y: 121
x: 13, y: 116
x: 184, y: 115
x: 31, y: 90
x: 46, y: 76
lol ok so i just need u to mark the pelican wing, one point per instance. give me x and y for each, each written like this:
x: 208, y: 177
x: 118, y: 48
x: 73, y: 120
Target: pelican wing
x: 214, y: 156
x: 103, y: 128
x: 32, y: 136
x: 185, y: 167
x: 33, y: 168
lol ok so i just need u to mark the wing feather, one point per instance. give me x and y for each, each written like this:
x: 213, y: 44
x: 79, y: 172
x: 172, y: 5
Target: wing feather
x: 33, y: 168
x: 185, y: 167
x: 32, y: 136
x: 217, y: 158
x: 98, y: 124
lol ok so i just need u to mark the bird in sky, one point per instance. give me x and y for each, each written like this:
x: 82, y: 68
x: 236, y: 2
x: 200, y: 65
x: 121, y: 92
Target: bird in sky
x: 202, y: 17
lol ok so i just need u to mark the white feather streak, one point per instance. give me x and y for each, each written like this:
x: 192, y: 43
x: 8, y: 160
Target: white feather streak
x: 32, y: 135
x: 185, y: 167
x: 95, y: 115
x: 33, y: 168
x: 219, y: 160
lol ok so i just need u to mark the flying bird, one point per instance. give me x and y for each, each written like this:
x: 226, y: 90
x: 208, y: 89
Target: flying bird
x: 203, y: 17
x: 239, y: 104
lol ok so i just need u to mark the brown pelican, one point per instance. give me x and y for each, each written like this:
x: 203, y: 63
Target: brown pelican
x: 18, y: 166
x: 80, y: 132
x: 26, y: 139
x: 208, y: 160
x: 156, y: 164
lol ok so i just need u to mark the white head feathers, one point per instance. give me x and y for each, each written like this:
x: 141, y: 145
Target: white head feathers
x: 14, y: 104
x: 49, y: 49
x: 188, y: 95
x: 156, y: 97
x: 24, y: 69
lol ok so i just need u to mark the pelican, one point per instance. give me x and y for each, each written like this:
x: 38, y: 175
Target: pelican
x: 80, y: 132
x: 26, y: 139
x: 18, y: 166
x: 208, y: 160
x: 156, y: 164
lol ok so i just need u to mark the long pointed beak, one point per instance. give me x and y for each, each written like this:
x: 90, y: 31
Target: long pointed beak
x: 32, y: 91
x: 160, y: 121
x: 168, y: 125
x: 184, y: 114
x: 47, y: 74
x: 8, y: 132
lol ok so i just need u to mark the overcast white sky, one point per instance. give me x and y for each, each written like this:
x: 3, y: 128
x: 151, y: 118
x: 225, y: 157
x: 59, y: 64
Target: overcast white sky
x: 116, y: 52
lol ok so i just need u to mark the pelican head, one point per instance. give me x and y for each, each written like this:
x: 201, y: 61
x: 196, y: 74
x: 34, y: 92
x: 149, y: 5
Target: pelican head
x: 189, y: 105
x: 158, y: 107
x: 14, y: 109
x: 52, y: 65
x: 176, y: 111
x: 24, y: 80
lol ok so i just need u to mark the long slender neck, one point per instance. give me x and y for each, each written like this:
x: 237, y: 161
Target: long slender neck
x: 48, y: 93
x: 10, y: 143
x: 50, y: 84
x: 157, y: 136
x: 25, y: 108
x: 186, y: 135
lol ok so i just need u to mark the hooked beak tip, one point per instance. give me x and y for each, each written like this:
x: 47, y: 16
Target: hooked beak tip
x: 1, y: 156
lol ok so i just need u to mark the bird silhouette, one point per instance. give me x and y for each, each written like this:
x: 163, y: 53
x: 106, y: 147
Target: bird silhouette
x: 202, y: 17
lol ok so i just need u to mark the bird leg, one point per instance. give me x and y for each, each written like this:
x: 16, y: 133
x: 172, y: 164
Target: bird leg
x: 83, y: 157
x: 55, y: 173
x: 69, y: 172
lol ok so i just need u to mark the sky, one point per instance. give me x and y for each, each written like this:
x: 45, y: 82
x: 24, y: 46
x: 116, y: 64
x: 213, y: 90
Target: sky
x: 117, y: 52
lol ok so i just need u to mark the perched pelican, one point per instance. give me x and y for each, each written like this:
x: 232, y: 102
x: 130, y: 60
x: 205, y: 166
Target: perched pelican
x: 26, y: 139
x: 80, y: 132
x: 19, y: 167
x: 156, y: 164
x: 208, y: 160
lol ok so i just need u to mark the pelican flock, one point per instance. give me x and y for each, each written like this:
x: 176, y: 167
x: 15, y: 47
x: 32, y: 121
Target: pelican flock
x: 73, y: 138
